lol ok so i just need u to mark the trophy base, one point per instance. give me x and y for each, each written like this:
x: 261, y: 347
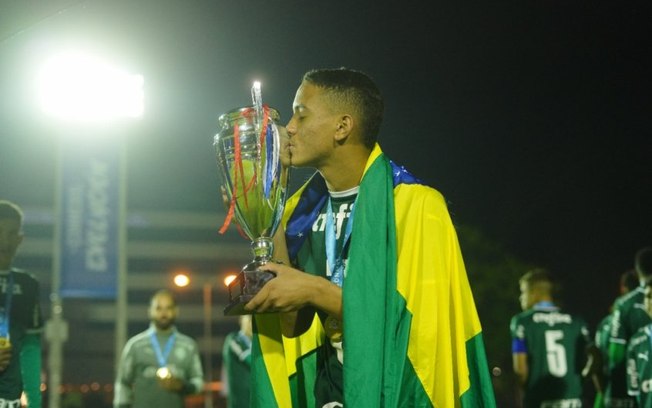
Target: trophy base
x: 244, y: 288
x: 236, y: 307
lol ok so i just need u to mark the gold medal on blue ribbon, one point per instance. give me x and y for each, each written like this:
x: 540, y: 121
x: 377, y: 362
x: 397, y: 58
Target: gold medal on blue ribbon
x: 163, y: 373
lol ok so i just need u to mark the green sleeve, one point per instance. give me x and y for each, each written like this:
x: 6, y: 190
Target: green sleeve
x: 30, y: 365
x: 599, y: 400
x: 616, y: 354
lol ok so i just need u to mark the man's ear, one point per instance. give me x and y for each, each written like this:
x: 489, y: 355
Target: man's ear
x: 344, y: 128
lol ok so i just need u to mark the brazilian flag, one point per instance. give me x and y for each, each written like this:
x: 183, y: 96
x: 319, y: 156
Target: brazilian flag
x: 412, y: 337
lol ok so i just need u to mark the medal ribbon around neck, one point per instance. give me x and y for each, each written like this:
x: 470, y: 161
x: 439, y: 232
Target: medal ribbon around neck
x: 4, y: 320
x: 162, y: 356
x: 336, y: 265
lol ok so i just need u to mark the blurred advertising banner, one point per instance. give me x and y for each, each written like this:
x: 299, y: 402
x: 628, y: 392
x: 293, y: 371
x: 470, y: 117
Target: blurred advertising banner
x: 90, y: 217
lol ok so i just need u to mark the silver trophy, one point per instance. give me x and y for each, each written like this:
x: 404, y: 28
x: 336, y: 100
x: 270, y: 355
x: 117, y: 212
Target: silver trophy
x: 248, y: 148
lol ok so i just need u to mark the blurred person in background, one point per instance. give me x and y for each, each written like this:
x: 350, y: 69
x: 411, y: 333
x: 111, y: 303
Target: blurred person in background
x: 159, y: 366
x: 628, y: 317
x: 236, y: 365
x: 598, y: 368
x: 639, y: 368
x: 548, y: 346
x: 21, y: 321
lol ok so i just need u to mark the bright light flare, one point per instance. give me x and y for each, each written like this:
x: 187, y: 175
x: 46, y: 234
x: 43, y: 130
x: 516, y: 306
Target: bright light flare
x: 229, y: 278
x: 82, y: 87
x: 181, y: 280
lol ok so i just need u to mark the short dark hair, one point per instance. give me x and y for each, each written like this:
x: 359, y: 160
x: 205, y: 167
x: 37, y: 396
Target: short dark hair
x: 629, y: 280
x: 164, y: 292
x: 9, y: 210
x: 643, y: 262
x: 359, y: 91
x: 535, y: 276
x: 542, y: 279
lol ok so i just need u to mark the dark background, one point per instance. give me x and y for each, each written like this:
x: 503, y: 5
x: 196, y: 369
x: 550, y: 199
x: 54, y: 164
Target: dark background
x: 531, y: 117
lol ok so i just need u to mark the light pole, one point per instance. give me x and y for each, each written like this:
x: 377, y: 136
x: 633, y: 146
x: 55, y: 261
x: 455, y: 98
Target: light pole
x: 183, y: 280
x: 82, y: 91
x: 208, y: 339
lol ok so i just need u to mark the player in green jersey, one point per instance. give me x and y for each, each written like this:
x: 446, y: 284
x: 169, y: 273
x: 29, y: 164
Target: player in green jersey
x: 639, y: 369
x: 20, y: 318
x: 548, y: 346
x: 236, y: 365
x: 628, y: 282
x: 372, y: 295
x: 160, y: 366
x: 629, y: 316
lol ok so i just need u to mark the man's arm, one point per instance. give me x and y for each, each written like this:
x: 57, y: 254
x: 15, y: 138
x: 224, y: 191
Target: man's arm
x: 617, y: 338
x: 519, y: 351
x: 293, y: 290
x: 294, y: 293
x: 594, y: 367
x: 632, y: 372
x: 123, y: 394
x: 196, y: 375
x: 519, y: 361
x: 30, y: 352
x: 292, y: 323
x: 30, y: 366
x: 617, y: 353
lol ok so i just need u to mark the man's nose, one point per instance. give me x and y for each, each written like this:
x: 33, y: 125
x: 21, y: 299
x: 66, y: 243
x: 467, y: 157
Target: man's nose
x: 291, y: 130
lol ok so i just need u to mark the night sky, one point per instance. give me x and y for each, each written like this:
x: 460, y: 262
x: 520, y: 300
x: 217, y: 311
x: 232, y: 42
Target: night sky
x: 531, y: 117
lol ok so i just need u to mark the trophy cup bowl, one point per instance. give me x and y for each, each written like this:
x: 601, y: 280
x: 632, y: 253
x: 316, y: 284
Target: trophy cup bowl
x: 248, y: 148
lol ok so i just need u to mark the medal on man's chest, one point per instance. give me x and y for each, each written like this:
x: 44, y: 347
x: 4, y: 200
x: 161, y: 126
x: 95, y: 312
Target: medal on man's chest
x: 334, y: 329
x: 163, y: 373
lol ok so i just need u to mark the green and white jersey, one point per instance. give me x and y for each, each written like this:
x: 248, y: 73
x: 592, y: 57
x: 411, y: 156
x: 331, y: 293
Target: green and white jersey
x: 628, y: 317
x: 639, y: 367
x: 24, y: 317
x: 555, y: 344
x: 312, y: 259
x: 602, y: 341
x: 136, y: 384
x: 236, y: 369
x: 603, y: 334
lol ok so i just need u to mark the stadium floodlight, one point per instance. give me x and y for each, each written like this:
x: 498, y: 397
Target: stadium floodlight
x: 84, y: 88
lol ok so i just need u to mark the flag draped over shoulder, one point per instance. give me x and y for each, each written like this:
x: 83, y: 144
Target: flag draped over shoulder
x: 412, y: 336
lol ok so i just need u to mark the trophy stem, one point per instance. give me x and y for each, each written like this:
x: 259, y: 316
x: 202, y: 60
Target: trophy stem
x: 250, y: 279
x: 262, y: 248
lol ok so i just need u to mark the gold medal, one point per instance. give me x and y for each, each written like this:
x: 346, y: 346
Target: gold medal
x: 4, y: 342
x: 163, y: 373
x: 333, y: 329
